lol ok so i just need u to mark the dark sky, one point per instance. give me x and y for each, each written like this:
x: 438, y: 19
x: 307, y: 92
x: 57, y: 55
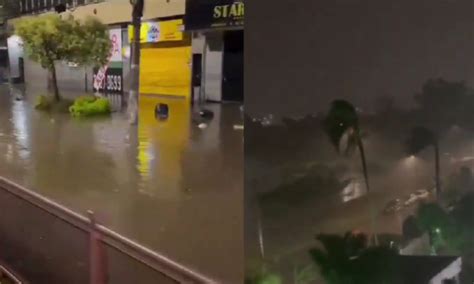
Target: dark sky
x: 300, y: 55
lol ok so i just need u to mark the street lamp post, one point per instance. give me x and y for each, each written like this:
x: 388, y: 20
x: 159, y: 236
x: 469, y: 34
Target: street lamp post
x: 437, y: 168
x: 137, y: 15
x: 421, y: 138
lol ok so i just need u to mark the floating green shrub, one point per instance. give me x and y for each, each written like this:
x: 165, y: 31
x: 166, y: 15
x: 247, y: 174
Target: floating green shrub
x: 90, y: 106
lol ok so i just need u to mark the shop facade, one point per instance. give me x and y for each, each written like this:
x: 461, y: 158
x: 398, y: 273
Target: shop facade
x: 217, y: 29
x: 111, y: 79
x: 165, y: 60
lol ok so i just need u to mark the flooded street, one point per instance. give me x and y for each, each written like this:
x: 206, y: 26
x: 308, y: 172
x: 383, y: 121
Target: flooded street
x: 170, y: 186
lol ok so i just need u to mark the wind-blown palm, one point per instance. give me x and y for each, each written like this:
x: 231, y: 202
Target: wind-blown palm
x: 340, y: 123
x: 342, y: 126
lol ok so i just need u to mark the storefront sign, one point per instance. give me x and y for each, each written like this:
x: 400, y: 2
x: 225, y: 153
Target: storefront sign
x: 207, y: 14
x: 159, y: 31
x: 109, y: 77
x: 109, y: 82
x: 116, y: 39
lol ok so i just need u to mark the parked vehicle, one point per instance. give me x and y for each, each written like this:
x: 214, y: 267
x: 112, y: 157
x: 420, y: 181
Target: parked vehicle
x: 393, y: 206
x: 422, y: 193
x: 412, y: 198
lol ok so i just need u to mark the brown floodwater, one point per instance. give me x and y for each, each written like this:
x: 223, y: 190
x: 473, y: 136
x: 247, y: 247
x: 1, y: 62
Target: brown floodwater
x: 169, y: 185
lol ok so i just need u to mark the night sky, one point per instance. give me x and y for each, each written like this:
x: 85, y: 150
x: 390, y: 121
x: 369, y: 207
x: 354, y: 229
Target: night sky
x: 300, y: 55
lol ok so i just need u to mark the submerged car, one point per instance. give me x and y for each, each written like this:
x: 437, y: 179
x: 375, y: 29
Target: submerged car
x: 412, y: 198
x: 393, y: 206
x: 422, y: 193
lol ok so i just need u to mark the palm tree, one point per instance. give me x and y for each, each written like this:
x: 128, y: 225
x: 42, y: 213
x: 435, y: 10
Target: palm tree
x: 342, y: 125
x: 420, y: 138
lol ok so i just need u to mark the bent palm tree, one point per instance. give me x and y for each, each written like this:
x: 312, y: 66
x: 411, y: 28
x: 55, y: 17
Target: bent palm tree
x: 419, y: 139
x: 342, y: 126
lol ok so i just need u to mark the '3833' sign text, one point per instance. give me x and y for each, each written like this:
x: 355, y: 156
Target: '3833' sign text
x: 112, y: 82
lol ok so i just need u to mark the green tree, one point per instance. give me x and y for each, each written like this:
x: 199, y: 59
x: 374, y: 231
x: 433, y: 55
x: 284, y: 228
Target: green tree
x: 49, y: 39
x: 431, y: 216
x: 463, y: 212
x: 446, y: 232
x: 261, y: 274
x: 92, y: 46
x: 348, y: 260
x: 443, y: 103
x: 335, y: 256
x: 342, y: 124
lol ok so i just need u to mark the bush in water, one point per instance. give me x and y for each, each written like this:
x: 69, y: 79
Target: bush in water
x: 43, y: 102
x: 90, y: 106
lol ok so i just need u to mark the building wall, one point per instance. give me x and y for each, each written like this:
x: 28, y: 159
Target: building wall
x: 119, y: 11
x: 71, y: 80
x: 15, y: 51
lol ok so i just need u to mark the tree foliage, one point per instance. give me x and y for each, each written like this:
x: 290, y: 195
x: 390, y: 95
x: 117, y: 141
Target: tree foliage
x: 411, y: 229
x: 419, y: 138
x: 348, y: 260
x: 431, y: 216
x: 48, y: 39
x: 443, y: 103
x: 342, y: 125
x: 449, y: 232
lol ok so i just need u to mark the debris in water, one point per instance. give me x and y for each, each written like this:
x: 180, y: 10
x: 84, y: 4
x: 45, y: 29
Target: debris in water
x: 238, y: 127
x: 206, y: 114
x: 202, y: 125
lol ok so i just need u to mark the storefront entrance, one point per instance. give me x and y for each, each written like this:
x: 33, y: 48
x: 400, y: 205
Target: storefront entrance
x: 233, y: 66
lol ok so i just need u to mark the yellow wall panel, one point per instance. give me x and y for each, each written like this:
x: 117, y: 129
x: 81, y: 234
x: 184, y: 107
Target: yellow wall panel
x: 166, y: 71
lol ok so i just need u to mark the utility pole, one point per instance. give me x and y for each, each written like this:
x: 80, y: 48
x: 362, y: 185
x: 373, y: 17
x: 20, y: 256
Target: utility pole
x: 134, y: 92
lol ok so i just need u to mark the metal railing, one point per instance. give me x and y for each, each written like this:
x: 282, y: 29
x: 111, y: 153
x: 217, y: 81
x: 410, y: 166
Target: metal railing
x: 48, y: 243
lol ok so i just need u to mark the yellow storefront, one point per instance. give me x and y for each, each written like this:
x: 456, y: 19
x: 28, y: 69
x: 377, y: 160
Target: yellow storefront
x: 165, y: 59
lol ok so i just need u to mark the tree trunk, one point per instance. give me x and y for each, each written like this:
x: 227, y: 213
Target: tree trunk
x: 86, y: 81
x: 134, y: 72
x: 360, y: 145
x: 437, y: 170
x: 54, y: 82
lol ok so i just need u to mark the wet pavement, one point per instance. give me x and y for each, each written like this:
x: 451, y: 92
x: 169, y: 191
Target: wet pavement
x: 169, y: 185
